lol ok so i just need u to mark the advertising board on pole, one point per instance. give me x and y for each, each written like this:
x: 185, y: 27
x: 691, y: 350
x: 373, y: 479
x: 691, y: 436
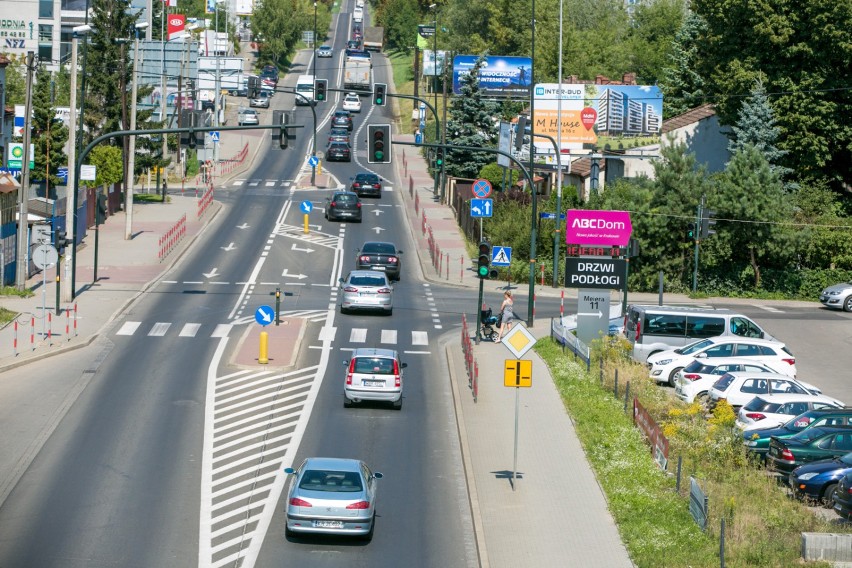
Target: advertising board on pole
x: 499, y: 76
x: 598, y: 227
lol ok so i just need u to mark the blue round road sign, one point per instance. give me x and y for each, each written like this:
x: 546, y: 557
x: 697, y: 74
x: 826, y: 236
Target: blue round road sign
x: 481, y: 188
x: 264, y: 315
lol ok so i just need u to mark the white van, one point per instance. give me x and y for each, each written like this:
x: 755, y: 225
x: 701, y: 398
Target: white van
x: 358, y: 15
x: 305, y: 87
x: 652, y: 329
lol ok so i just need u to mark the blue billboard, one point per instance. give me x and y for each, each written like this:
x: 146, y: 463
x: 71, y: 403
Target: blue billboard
x: 499, y: 76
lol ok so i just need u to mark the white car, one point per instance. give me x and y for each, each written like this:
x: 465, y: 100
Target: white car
x: 694, y: 381
x: 773, y: 410
x: 665, y: 365
x: 739, y: 388
x: 247, y: 116
x: 352, y: 102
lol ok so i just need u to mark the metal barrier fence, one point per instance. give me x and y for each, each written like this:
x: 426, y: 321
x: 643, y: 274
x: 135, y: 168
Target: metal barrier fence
x: 205, y: 202
x: 560, y: 333
x: 25, y: 327
x: 469, y: 361
x: 172, y: 237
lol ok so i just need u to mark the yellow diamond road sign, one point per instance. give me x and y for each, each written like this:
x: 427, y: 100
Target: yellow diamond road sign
x: 519, y: 340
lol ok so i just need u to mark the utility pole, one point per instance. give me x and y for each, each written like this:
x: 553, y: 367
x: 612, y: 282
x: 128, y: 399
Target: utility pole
x: 533, y: 232
x: 697, y: 243
x: 131, y: 145
x: 163, y: 107
x: 557, y: 222
x: 23, y: 258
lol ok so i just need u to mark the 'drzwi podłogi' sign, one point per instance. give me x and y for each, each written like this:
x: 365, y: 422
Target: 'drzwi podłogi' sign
x: 604, y: 228
x: 594, y: 273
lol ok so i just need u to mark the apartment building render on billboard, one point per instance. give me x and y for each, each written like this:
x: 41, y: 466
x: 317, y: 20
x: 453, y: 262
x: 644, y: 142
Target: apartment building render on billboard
x: 619, y: 114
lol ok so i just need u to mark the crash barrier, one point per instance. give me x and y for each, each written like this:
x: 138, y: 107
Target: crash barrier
x: 227, y: 166
x: 416, y: 196
x: 172, y: 237
x: 560, y: 333
x: 470, y: 363
x: 204, y: 202
x: 404, y: 163
x: 38, y: 331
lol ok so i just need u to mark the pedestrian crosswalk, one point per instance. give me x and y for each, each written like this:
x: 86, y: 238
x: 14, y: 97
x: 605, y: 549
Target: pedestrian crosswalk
x: 283, y: 183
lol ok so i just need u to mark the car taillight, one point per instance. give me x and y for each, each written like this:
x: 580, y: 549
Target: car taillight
x: 359, y: 505
x: 787, y: 455
x: 359, y: 205
x: 397, y: 380
x: 334, y: 204
x: 378, y: 186
x: 692, y: 377
x: 755, y: 416
x: 638, y: 330
x: 356, y: 184
x: 393, y: 259
x: 384, y: 291
x: 790, y: 361
x: 364, y: 258
x: 296, y: 502
x: 351, y: 370
x: 350, y: 289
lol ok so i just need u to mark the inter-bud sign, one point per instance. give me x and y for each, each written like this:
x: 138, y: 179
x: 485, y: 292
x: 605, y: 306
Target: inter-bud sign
x: 606, y: 228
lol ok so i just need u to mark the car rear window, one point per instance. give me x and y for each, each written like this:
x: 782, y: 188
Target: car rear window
x: 379, y: 248
x: 374, y: 365
x: 344, y: 198
x: 336, y: 481
x: 724, y: 382
x: 367, y: 281
x: 367, y: 178
x: 756, y: 403
x: 698, y: 367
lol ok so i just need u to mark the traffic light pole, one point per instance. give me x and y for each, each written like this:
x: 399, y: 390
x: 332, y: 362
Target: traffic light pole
x: 437, y: 133
x: 314, y: 112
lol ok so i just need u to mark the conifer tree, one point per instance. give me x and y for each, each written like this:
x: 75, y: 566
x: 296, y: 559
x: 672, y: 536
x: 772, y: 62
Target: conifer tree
x: 683, y: 87
x: 49, y: 133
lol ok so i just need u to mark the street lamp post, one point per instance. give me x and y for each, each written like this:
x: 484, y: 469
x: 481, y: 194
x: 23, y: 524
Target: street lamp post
x: 131, y: 145
x: 435, y: 92
x: 315, y: 39
x: 557, y: 232
x: 533, y: 235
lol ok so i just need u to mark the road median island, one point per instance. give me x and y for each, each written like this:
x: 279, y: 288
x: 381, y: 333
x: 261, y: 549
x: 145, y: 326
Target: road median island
x: 284, y: 343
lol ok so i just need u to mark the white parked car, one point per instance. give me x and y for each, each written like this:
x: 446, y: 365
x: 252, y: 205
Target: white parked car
x: 665, y: 365
x: 739, y: 388
x: 694, y: 381
x: 773, y: 410
x: 352, y: 102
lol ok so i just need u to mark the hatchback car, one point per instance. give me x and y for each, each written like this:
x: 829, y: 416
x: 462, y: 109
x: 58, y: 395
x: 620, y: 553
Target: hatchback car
x: 342, y: 119
x: 270, y: 73
x: 366, y: 184
x: 771, y: 410
x: 757, y: 440
x: 373, y: 374
x: 843, y: 497
x: 739, y: 388
x: 338, y: 135
x: 353, y: 44
x: 838, y: 296
x: 325, y: 51
x: 352, y: 102
x: 695, y: 380
x: 343, y: 205
x: 807, y: 446
x: 332, y: 496
x: 817, y: 481
x: 338, y: 152
x: 366, y: 290
x: 380, y: 256
x: 261, y: 100
x: 247, y: 116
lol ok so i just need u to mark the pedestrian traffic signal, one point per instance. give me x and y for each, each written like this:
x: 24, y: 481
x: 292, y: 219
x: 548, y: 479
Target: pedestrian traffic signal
x: 520, y: 132
x: 379, y: 91
x: 484, y: 261
x: 320, y: 88
x: 690, y: 232
x: 379, y: 144
x: 707, y: 221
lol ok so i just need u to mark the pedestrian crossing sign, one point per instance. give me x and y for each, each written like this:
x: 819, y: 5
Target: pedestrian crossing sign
x: 501, y: 256
x: 214, y: 135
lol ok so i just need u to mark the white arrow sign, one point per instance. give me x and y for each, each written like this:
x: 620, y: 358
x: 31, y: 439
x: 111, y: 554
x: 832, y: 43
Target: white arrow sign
x: 378, y: 230
x: 243, y: 226
x: 211, y: 274
x: 377, y: 212
x: 230, y: 247
x: 598, y: 314
x: 287, y: 274
x: 307, y: 250
x: 317, y: 227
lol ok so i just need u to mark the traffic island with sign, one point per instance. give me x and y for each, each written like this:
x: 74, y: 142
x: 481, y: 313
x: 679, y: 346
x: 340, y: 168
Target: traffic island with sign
x: 284, y: 341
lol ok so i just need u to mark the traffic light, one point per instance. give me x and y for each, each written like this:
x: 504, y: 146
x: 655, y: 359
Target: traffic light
x: 379, y: 94
x: 439, y: 157
x: 61, y: 241
x: 284, y: 138
x: 707, y: 221
x: 379, y: 144
x: 520, y: 132
x: 690, y: 232
x: 320, y: 88
x: 484, y: 261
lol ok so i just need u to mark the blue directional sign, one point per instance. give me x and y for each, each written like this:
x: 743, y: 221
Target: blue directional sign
x: 264, y: 315
x: 481, y: 207
x: 501, y: 256
x: 214, y: 135
x: 306, y: 206
x: 551, y: 216
x: 62, y: 173
x: 481, y: 188
x: 313, y: 161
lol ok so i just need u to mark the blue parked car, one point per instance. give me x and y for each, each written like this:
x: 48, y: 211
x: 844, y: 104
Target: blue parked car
x: 817, y: 481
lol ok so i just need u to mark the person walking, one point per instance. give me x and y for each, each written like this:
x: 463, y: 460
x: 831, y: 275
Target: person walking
x: 508, y: 315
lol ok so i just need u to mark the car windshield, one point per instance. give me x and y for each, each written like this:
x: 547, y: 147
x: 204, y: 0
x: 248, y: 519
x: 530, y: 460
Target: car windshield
x: 305, y: 88
x: 334, y: 481
x: 367, y: 281
x: 379, y: 248
x: 693, y: 347
x: 801, y: 421
x: 374, y: 365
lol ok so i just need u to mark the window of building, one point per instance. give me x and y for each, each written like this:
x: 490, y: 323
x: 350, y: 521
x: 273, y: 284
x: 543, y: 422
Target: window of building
x: 45, y: 9
x: 45, y: 42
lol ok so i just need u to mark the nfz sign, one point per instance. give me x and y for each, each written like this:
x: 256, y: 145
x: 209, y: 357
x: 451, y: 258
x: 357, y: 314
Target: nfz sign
x: 603, y: 228
x: 595, y: 273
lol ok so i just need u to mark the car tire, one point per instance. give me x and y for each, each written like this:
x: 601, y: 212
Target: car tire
x: 702, y: 398
x: 847, y: 304
x: 398, y: 404
x: 828, y: 496
x: 347, y: 403
x: 672, y: 376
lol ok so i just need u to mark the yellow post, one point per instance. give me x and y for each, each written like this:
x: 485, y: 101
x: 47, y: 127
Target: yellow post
x: 263, y: 358
x: 319, y: 167
x: 306, y: 223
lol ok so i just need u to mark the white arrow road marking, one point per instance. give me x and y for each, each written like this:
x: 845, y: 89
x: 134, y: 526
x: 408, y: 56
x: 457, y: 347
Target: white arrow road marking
x: 598, y: 314
x: 243, y: 226
x: 228, y: 248
x: 307, y: 250
x: 378, y: 212
x: 287, y: 274
x: 210, y: 274
x: 378, y: 229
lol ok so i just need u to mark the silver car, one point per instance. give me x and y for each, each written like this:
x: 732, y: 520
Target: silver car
x: 247, y: 116
x: 332, y: 496
x: 366, y: 290
x: 262, y: 100
x: 373, y: 374
x: 325, y: 51
x: 838, y: 296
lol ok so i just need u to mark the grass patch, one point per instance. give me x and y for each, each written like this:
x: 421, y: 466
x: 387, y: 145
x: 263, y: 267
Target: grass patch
x: 763, y: 525
x: 6, y: 316
x: 149, y: 198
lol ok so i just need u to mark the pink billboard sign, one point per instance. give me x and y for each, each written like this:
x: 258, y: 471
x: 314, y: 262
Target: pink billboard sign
x: 606, y: 228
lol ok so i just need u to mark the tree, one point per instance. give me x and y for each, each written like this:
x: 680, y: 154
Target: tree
x: 16, y: 82
x: 49, y: 133
x: 683, y: 87
x: 108, y: 166
x: 471, y: 123
x: 400, y: 19
x: 651, y: 37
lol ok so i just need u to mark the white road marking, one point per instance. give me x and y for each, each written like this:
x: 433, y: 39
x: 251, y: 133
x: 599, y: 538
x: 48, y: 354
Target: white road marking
x: 222, y: 330
x: 419, y: 338
x: 389, y: 336
x: 190, y: 330
x: 159, y: 329
x: 358, y: 335
x: 129, y: 328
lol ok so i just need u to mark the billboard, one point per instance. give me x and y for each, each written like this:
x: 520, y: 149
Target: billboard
x: 429, y: 62
x: 500, y: 76
x: 588, y: 112
x: 177, y: 24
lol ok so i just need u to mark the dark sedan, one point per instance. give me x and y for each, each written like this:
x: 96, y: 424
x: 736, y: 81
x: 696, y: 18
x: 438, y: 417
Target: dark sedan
x: 342, y: 119
x: 807, y: 446
x: 757, y: 441
x: 338, y: 152
x: 366, y: 184
x: 380, y: 256
x: 843, y: 496
x: 818, y: 480
x: 343, y: 205
x: 338, y: 135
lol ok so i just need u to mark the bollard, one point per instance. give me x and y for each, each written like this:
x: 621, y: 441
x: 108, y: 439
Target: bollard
x: 562, y: 304
x: 461, y: 268
x: 263, y: 357
x: 32, y: 332
x: 679, y: 466
x: 15, y: 340
x: 49, y: 329
x: 616, y: 383
x: 626, y: 395
x: 601, y: 367
x: 75, y: 319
